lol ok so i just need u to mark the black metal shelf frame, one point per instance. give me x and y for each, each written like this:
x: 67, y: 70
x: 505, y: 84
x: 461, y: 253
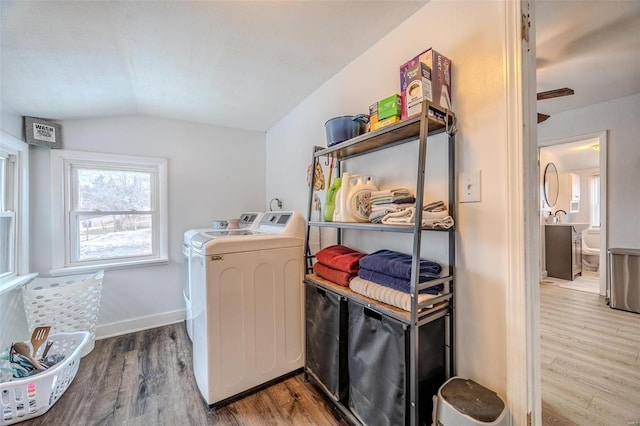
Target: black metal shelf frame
x: 431, y: 121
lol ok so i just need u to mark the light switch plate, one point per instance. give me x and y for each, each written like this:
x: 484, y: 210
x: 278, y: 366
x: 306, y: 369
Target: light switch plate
x: 469, y: 187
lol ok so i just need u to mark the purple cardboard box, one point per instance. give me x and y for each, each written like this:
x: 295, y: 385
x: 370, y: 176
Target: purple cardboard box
x: 427, y: 76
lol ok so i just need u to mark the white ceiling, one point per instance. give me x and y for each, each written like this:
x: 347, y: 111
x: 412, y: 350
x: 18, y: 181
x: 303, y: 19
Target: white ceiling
x: 241, y: 64
x: 245, y: 64
x: 591, y: 46
x: 577, y: 155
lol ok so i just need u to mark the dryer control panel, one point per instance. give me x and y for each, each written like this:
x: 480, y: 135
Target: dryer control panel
x: 282, y: 223
x: 278, y: 218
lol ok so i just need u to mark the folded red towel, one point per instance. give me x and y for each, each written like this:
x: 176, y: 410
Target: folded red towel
x: 333, y: 275
x: 340, y: 257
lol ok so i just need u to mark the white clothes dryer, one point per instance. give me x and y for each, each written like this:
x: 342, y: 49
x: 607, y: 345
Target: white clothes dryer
x: 247, y: 306
x: 248, y: 220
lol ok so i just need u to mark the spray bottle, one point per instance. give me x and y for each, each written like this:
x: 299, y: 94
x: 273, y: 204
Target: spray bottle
x: 330, y: 200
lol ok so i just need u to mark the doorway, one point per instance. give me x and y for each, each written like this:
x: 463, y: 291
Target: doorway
x: 580, y: 164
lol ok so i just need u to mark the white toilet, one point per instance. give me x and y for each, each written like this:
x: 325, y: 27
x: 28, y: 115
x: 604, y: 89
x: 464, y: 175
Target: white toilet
x: 591, y: 249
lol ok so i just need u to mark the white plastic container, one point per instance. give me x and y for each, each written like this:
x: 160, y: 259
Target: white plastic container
x: 28, y: 397
x: 340, y: 203
x: 353, y: 201
x: 347, y: 199
x: 69, y: 303
x: 463, y: 402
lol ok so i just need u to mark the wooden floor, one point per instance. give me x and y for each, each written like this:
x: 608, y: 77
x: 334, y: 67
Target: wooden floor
x: 146, y: 378
x: 590, y: 376
x: 590, y: 360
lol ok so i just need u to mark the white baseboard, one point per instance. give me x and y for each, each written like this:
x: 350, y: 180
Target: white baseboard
x: 138, y: 324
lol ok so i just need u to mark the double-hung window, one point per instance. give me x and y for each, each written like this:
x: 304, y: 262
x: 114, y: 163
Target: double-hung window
x: 112, y: 209
x: 14, y: 210
x: 8, y: 220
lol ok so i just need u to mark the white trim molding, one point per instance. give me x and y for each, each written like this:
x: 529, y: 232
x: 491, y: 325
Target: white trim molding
x: 21, y: 150
x: 138, y: 324
x: 523, y: 401
x: 62, y: 210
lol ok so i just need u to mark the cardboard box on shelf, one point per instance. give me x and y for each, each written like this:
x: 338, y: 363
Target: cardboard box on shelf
x: 373, y: 116
x: 427, y: 76
x: 388, y: 107
x: 385, y: 122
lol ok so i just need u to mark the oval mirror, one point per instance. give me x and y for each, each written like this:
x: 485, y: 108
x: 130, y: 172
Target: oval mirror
x: 551, y: 184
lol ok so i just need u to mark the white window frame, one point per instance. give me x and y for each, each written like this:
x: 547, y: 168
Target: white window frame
x: 16, y: 204
x: 594, y: 200
x: 63, y: 163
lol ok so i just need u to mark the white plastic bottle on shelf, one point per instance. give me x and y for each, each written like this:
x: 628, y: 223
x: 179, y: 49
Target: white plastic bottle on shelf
x: 354, y: 199
x: 339, y: 214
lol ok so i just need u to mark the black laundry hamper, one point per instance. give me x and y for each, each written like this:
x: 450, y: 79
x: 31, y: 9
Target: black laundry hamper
x: 378, y: 362
x: 326, y: 328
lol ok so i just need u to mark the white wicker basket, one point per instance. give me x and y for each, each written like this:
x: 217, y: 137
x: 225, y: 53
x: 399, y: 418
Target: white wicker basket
x: 32, y: 396
x: 69, y: 303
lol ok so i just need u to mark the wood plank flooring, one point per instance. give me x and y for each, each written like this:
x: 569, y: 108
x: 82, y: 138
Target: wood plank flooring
x: 590, y: 360
x: 146, y: 379
x: 590, y: 376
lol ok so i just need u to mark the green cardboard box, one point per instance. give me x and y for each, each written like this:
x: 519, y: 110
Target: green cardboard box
x: 389, y: 107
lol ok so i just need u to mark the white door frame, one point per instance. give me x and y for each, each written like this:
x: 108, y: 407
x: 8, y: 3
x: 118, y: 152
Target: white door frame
x: 523, y: 236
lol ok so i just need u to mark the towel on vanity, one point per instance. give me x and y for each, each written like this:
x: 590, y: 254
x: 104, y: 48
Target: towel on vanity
x: 340, y: 257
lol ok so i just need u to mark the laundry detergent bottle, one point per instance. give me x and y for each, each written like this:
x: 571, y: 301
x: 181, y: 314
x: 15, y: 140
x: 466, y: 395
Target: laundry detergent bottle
x: 358, y: 190
x: 340, y: 213
x: 330, y: 199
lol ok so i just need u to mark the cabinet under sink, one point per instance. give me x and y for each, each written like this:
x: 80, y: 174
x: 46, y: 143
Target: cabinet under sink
x: 563, y: 248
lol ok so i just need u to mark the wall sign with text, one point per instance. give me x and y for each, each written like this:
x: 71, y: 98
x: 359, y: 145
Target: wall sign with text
x: 43, y: 132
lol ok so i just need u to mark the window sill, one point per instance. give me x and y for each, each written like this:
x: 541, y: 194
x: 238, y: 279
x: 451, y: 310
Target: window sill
x: 112, y: 266
x: 15, y: 282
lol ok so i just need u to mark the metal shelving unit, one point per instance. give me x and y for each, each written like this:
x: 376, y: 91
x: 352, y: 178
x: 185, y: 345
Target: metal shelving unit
x: 432, y: 121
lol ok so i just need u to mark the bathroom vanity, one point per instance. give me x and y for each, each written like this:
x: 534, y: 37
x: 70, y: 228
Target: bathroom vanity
x: 563, y: 247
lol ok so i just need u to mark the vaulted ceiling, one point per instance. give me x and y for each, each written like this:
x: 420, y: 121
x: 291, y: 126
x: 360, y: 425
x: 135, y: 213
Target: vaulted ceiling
x: 245, y: 64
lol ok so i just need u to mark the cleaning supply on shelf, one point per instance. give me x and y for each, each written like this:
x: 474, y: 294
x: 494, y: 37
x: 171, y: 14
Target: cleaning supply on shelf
x: 330, y: 199
x: 340, y: 212
x: 358, y: 194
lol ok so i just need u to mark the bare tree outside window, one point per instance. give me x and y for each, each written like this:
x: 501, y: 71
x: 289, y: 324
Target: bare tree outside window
x: 114, y: 219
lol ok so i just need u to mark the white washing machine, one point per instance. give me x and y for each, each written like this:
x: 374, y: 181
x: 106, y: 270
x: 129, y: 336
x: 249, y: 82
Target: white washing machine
x: 248, y: 220
x: 247, y: 306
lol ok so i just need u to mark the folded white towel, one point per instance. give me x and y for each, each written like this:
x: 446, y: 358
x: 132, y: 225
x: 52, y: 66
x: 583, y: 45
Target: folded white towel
x: 402, y: 217
x: 441, y: 223
x: 391, y: 206
x: 385, y: 294
x: 436, y: 206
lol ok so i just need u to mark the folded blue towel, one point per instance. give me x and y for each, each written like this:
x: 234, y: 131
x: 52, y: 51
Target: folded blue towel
x: 399, y: 284
x: 398, y: 265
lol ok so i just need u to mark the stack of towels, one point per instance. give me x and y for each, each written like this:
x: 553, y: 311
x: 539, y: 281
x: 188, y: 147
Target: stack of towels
x: 434, y: 215
x: 338, y: 264
x: 381, y: 203
x: 386, y: 276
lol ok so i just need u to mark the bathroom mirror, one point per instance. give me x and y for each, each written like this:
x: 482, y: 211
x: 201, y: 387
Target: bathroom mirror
x: 551, y: 184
